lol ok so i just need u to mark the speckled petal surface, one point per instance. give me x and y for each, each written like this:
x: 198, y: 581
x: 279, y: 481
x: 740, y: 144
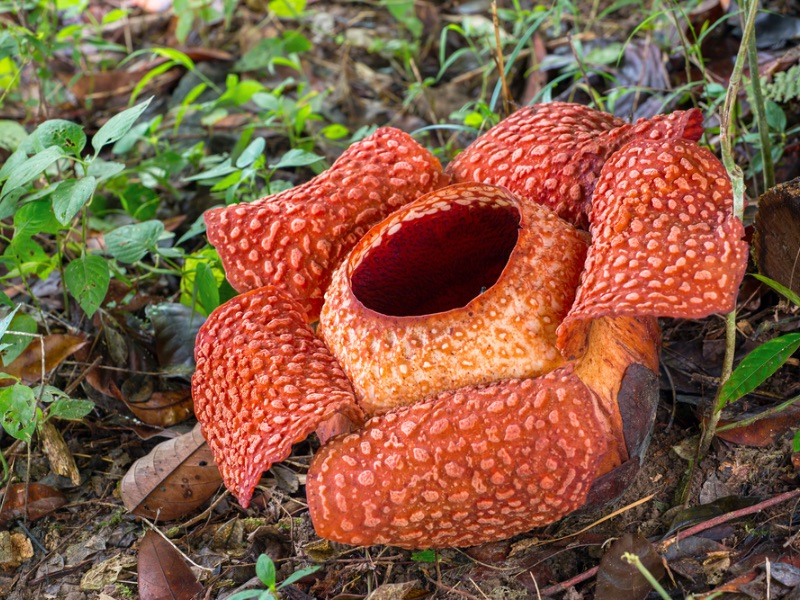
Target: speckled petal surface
x: 464, y: 286
x: 664, y: 241
x: 552, y: 153
x: 294, y: 240
x: 469, y: 467
x: 263, y: 382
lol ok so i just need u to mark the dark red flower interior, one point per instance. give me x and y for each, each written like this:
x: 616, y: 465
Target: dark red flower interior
x: 437, y: 262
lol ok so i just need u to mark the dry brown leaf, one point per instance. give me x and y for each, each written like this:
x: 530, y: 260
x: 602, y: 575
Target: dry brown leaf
x: 41, y: 500
x: 162, y: 409
x: 15, y: 548
x: 28, y: 365
x: 61, y: 460
x: 163, y: 573
x: 173, y: 480
x: 764, y: 431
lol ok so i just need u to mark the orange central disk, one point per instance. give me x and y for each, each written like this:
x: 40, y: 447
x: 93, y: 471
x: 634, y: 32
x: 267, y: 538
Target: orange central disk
x: 464, y: 286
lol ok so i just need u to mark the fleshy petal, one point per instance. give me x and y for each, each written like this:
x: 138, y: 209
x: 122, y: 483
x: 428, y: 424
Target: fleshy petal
x: 294, y: 240
x: 664, y: 240
x: 552, y: 153
x: 263, y: 382
x: 469, y: 467
x: 462, y: 287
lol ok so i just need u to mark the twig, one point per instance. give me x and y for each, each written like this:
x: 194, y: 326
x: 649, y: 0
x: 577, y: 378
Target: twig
x: 446, y: 588
x: 664, y: 544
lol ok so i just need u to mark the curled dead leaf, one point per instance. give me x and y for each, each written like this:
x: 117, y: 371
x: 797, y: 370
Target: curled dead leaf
x: 173, y: 480
x: 162, y: 409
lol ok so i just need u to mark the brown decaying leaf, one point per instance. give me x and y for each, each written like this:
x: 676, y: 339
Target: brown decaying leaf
x: 163, y: 409
x: 41, y: 501
x: 163, y: 573
x: 28, y: 365
x: 61, y: 460
x: 173, y: 480
x: 15, y: 548
x: 617, y: 578
x: 763, y: 432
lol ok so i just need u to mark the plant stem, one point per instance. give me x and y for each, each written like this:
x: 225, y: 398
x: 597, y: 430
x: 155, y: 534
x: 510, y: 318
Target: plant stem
x: 737, y: 183
x: 760, y: 112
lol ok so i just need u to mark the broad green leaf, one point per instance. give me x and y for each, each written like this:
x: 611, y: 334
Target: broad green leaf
x: 220, y: 170
x: 71, y: 196
x: 6, y: 321
x: 296, y: 158
x: 296, y: 43
x: 18, y: 409
x: 140, y: 201
x: 13, y: 344
x: 71, y: 408
x: 265, y: 570
x: 251, y: 153
x: 14, y: 161
x: 207, y: 290
x: 29, y: 258
x: 298, y: 575
x: 11, y: 135
x: 130, y: 243
x: 118, y: 125
x: 66, y: 135
x: 31, y: 168
x: 104, y: 169
x: 781, y: 289
x: 757, y: 367
x: 426, y: 556
x: 34, y: 218
x: 87, y: 279
x: 796, y: 442
x: 334, y: 131
x: 287, y: 9
x: 776, y: 118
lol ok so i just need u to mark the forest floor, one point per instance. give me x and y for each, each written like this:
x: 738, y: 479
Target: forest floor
x: 313, y: 83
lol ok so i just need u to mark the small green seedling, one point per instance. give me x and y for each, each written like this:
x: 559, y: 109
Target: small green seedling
x: 266, y: 572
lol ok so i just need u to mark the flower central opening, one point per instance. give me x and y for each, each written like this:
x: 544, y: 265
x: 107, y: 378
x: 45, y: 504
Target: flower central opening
x: 437, y: 261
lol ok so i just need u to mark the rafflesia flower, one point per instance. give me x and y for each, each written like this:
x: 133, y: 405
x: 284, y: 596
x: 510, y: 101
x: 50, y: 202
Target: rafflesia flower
x: 484, y: 358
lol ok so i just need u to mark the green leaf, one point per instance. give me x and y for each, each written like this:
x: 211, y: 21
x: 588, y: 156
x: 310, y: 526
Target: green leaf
x: 140, y: 201
x: 207, y: 289
x: 298, y: 575
x: 14, y: 345
x: 130, y: 243
x: 71, y: 196
x: 334, y: 131
x: 12, y: 135
x: 14, y: 161
x: 796, y: 442
x: 781, y: 289
x: 287, y: 9
x: 296, y: 158
x: 87, y: 280
x: 29, y: 258
x: 31, y: 168
x: 776, y: 118
x: 34, y: 218
x: 265, y: 570
x: 66, y: 135
x: 251, y: 153
x: 104, y: 169
x: 18, y: 409
x: 5, y: 322
x: 757, y: 367
x: 426, y: 556
x: 71, y: 408
x: 118, y: 125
